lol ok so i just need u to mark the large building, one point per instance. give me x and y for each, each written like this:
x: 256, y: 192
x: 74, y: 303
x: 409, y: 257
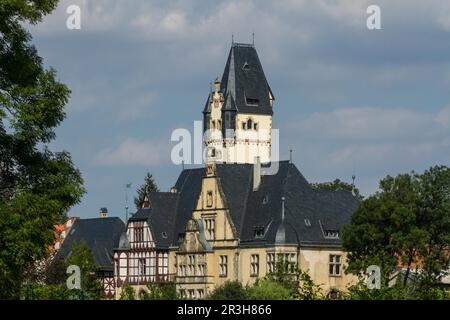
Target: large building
x: 228, y: 220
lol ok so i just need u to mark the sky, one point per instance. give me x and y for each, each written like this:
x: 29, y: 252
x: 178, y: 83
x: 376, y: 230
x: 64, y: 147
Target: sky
x: 349, y: 100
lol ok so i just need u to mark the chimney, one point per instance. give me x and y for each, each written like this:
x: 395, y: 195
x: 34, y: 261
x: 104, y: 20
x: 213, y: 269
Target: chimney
x: 256, y: 174
x: 216, y: 85
x: 103, y: 212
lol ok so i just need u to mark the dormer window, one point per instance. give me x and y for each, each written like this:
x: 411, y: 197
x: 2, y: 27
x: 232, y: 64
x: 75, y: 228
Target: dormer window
x: 265, y: 199
x: 331, y: 234
x: 307, y: 223
x: 259, y: 232
x: 164, y: 235
x: 251, y: 101
x: 246, y: 67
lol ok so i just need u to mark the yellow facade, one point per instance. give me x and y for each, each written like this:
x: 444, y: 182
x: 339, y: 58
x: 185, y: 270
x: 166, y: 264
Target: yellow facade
x: 245, y: 264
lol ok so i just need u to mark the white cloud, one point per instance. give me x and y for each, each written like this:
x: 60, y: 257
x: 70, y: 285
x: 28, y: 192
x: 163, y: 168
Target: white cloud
x: 136, y: 152
x: 376, y: 124
x: 370, y: 142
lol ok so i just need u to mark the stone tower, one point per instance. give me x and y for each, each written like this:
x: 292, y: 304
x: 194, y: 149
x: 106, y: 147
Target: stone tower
x: 237, y: 118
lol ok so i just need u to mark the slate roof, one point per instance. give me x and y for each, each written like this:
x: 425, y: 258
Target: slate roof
x: 309, y: 214
x: 169, y: 212
x: 244, y: 83
x: 101, y: 235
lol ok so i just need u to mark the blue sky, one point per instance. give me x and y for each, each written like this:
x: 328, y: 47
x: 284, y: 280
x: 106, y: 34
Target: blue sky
x: 348, y: 100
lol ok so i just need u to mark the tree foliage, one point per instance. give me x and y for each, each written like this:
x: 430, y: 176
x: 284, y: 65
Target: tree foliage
x: 82, y: 256
x: 148, y: 186
x: 37, y: 185
x: 230, y: 290
x: 127, y: 293
x: 161, y: 292
x: 337, y: 185
x: 406, y: 224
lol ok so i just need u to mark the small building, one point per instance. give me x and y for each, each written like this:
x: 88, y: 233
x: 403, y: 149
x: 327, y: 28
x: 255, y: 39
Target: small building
x: 101, y: 235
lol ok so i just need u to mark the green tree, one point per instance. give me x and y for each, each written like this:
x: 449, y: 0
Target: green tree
x: 266, y: 289
x: 37, y: 185
x: 148, y: 186
x: 82, y: 256
x: 337, y: 185
x: 161, y: 292
x: 406, y: 223
x: 127, y: 293
x: 230, y: 290
x: 298, y: 283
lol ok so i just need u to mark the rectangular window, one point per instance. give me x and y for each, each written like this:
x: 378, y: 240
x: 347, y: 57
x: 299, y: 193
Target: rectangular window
x: 191, y: 265
x: 254, y: 265
x: 210, y: 230
x: 209, y: 198
x: 335, y: 265
x: 142, y: 267
x: 200, y: 293
x: 201, y: 269
x: 138, y: 234
x: 223, y: 266
x: 270, y: 262
x: 191, y: 293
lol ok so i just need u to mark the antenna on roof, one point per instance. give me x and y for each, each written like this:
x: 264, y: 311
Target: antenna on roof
x: 127, y: 186
x: 253, y: 38
x: 182, y: 164
x: 232, y: 38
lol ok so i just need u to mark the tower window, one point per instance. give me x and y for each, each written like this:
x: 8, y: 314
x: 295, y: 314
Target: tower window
x: 252, y: 101
x: 213, y: 124
x: 219, y: 124
x: 255, y: 126
x: 243, y: 125
x: 249, y: 124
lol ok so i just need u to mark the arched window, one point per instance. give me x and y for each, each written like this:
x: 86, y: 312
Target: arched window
x: 219, y: 124
x: 213, y: 124
x: 249, y: 124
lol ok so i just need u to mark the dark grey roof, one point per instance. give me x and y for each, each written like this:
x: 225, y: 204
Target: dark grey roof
x: 169, y: 212
x: 309, y: 214
x: 244, y: 81
x: 101, y: 235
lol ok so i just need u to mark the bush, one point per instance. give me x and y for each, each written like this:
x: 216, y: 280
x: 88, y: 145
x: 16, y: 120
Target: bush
x: 127, y: 293
x: 230, y: 290
x: 161, y: 292
x: 266, y: 289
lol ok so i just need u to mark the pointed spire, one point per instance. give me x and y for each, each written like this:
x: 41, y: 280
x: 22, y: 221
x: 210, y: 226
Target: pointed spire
x: 290, y: 155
